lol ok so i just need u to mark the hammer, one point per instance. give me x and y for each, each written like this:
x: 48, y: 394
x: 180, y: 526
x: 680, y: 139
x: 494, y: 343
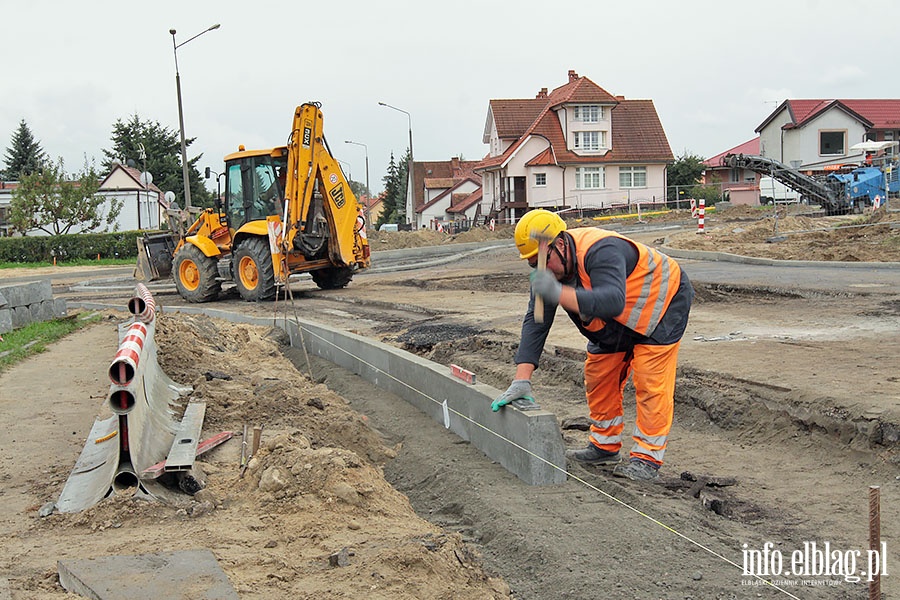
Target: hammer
x: 543, y: 240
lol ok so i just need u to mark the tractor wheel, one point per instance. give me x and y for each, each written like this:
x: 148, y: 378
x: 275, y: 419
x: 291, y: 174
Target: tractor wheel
x: 254, y: 274
x: 332, y: 278
x: 195, y: 275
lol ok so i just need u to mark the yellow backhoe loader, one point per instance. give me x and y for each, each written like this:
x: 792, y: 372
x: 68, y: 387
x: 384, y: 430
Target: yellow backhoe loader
x: 287, y: 210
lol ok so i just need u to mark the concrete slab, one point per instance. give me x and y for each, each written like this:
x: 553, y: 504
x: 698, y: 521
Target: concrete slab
x: 6, y: 323
x: 21, y: 316
x: 23, y: 294
x: 180, y: 575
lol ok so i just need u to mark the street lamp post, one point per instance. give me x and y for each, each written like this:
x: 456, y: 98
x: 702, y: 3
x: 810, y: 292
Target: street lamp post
x: 368, y: 189
x: 349, y: 169
x: 184, y: 163
x: 409, y: 169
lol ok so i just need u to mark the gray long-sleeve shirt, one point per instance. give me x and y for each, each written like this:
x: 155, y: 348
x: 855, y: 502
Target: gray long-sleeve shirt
x: 608, y: 262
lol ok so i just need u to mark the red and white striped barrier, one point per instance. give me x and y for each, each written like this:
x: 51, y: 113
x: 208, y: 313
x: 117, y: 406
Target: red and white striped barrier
x: 142, y: 306
x: 128, y: 357
x: 701, y: 212
x: 140, y: 433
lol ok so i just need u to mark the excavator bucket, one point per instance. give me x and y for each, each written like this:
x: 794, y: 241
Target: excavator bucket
x: 154, y: 260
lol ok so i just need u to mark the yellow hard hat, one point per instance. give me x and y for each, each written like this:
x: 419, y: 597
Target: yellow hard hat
x: 537, y: 222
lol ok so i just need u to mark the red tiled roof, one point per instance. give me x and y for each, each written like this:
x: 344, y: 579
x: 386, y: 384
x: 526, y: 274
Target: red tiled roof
x: 580, y: 90
x: 135, y: 175
x: 749, y: 147
x: 476, y: 179
x: 874, y: 113
x: 461, y: 207
x: 513, y: 117
x: 438, y: 182
x: 453, y: 170
x: 637, y: 134
x: 543, y: 159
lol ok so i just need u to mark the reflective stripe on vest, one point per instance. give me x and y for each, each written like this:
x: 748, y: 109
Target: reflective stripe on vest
x: 649, y: 288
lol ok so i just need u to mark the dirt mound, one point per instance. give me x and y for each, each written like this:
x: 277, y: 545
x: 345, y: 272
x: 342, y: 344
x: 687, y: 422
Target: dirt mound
x: 311, y: 515
x: 870, y: 238
x: 393, y: 240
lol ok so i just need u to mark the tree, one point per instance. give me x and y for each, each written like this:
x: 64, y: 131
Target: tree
x: 49, y: 201
x: 394, y: 187
x: 358, y: 188
x: 24, y: 154
x: 684, y: 174
x: 161, y: 157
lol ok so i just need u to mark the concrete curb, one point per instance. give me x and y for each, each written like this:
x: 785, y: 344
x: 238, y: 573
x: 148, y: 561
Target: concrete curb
x: 529, y: 444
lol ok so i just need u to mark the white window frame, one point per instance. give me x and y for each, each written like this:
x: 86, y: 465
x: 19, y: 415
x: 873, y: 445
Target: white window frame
x: 587, y: 113
x: 590, y: 141
x: 627, y: 177
x: 590, y: 178
x: 540, y: 180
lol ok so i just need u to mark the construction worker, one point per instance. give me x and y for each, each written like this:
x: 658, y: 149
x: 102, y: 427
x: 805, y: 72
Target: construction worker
x: 631, y: 302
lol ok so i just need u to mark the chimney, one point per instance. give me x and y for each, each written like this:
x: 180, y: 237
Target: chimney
x: 572, y: 75
x: 542, y: 93
x: 620, y: 98
x: 454, y: 166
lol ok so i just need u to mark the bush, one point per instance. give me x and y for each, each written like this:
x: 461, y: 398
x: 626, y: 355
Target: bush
x: 31, y: 249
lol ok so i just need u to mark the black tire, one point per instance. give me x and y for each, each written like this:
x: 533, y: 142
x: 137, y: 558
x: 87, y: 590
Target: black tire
x: 332, y: 278
x: 254, y: 274
x: 195, y: 275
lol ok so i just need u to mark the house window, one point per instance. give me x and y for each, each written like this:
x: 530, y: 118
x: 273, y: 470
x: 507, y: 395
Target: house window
x: 540, y: 179
x: 590, y: 140
x: 590, y: 178
x: 588, y: 113
x: 831, y: 142
x: 632, y: 177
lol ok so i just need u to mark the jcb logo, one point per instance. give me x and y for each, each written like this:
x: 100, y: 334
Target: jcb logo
x: 307, y: 137
x: 337, y: 195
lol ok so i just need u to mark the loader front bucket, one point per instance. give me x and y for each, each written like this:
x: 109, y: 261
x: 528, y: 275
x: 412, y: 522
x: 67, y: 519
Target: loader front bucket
x: 154, y: 260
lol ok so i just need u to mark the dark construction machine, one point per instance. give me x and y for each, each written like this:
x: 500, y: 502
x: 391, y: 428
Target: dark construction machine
x: 287, y: 210
x: 838, y: 193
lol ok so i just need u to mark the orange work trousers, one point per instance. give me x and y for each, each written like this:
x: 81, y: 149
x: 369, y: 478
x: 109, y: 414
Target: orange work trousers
x: 653, y: 371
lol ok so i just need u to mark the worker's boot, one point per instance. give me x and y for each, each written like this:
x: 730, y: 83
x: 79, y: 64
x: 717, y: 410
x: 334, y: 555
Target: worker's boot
x: 592, y: 455
x: 637, y: 470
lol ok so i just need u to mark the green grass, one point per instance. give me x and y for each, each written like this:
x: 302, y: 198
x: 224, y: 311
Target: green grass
x: 19, y: 344
x: 81, y: 262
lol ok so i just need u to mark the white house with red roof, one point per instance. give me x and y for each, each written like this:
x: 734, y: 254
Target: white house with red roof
x: 445, y: 190
x: 576, y: 147
x: 143, y: 205
x: 818, y: 135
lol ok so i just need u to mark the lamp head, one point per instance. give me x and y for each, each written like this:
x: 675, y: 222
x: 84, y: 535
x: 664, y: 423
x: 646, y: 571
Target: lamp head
x: 172, y: 31
x: 216, y: 26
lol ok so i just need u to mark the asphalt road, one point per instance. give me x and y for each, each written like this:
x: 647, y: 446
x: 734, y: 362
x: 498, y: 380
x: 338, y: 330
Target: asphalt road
x: 700, y: 266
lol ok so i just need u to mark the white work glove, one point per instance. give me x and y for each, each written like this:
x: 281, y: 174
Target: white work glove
x: 518, y: 393
x: 545, y: 285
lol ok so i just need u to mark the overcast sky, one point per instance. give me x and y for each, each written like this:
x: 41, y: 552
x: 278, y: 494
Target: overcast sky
x: 713, y: 69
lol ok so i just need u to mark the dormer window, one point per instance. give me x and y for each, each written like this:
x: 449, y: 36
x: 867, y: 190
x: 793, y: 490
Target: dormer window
x: 588, y: 113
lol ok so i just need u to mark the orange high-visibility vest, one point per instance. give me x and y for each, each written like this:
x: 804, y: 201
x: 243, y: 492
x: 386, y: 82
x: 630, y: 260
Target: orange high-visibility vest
x: 649, y: 289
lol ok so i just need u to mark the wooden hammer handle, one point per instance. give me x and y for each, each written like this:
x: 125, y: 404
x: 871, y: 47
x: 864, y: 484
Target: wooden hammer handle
x: 541, y: 266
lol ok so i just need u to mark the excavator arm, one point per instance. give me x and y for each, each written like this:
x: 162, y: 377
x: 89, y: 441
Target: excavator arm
x: 829, y: 197
x: 320, y: 204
